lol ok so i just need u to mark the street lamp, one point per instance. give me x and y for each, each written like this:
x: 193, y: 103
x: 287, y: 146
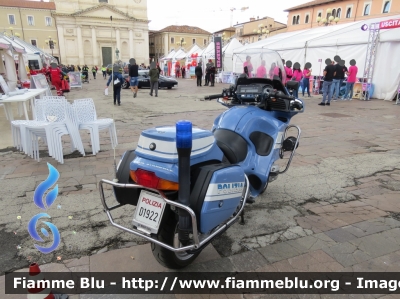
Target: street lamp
x: 261, y: 31
x: 117, y: 53
x: 327, y: 21
x: 182, y: 42
x: 51, y: 44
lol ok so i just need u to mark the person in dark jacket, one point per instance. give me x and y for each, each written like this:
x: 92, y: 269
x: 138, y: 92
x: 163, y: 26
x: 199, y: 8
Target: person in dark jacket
x: 117, y: 83
x: 199, y: 73
x: 133, y: 76
x: 154, y: 74
x: 209, y: 65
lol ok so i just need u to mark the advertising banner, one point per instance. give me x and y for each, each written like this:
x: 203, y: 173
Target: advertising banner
x: 218, y: 52
x: 389, y: 24
x: 40, y: 81
x: 75, y: 80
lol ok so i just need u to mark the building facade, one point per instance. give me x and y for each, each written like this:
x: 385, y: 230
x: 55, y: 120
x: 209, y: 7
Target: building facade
x: 257, y: 29
x: 31, y: 21
x: 330, y: 12
x: 226, y: 34
x: 99, y: 32
x: 174, y: 37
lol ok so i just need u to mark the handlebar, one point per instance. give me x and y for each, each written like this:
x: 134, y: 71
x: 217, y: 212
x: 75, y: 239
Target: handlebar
x: 213, y: 96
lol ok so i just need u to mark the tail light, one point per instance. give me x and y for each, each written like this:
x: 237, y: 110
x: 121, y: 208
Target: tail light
x: 150, y: 180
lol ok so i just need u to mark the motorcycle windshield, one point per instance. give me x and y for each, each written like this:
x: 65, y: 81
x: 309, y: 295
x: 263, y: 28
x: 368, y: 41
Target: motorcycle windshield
x: 259, y: 63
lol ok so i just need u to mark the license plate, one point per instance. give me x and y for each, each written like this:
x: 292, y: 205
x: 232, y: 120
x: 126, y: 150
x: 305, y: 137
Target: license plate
x: 149, y: 211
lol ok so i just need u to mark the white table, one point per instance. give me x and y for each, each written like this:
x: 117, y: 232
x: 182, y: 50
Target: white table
x: 22, y: 98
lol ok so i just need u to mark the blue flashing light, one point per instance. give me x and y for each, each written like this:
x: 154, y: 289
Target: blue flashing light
x: 184, y: 134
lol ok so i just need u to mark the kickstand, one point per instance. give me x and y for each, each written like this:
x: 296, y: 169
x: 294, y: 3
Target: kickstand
x: 242, y: 217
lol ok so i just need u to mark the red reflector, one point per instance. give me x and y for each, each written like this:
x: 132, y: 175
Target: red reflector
x: 147, y: 178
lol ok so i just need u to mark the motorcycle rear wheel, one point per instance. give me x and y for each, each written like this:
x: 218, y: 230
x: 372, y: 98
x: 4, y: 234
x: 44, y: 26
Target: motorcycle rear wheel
x: 168, y: 233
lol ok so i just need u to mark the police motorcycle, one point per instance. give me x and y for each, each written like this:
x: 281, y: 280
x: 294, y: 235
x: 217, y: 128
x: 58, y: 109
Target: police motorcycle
x: 189, y: 185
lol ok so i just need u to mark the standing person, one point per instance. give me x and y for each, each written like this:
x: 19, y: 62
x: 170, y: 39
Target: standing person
x: 94, y: 71
x: 261, y: 70
x: 249, y: 66
x: 154, y: 74
x: 351, y: 79
x: 133, y: 76
x: 306, y: 79
x: 199, y: 73
x: 208, y: 70
x: 85, y: 72
x: 159, y: 69
x: 289, y: 71
x: 165, y: 69
x: 343, y: 70
x: 79, y: 68
x: 177, y: 69
x: 183, y: 72
x: 55, y: 74
x: 297, y: 75
x: 272, y: 71
x: 337, y: 80
x: 104, y: 71
x: 329, y: 73
x: 212, y: 75
x: 117, y: 83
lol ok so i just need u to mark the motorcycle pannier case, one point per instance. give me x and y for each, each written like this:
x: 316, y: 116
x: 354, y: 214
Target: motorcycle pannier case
x: 216, y: 194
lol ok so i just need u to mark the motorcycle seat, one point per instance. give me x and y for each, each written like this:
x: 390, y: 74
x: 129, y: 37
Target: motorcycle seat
x: 231, y: 144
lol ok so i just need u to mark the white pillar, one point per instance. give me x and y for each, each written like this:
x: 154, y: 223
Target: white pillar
x: 94, y: 46
x: 80, y: 45
x: 131, y: 44
x: 61, y: 45
x: 118, y: 42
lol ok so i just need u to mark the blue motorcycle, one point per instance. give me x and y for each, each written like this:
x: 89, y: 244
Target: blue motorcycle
x: 189, y: 185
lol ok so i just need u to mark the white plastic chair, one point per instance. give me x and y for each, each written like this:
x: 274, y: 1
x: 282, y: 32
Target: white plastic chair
x: 58, y: 114
x: 87, y: 120
x: 18, y: 140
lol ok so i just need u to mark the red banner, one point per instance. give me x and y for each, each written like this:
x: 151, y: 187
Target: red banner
x: 389, y: 24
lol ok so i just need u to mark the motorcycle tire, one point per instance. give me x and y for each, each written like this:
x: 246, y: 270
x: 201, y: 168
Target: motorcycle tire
x: 168, y: 234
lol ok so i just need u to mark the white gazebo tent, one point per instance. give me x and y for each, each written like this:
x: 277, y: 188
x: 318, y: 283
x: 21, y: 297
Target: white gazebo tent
x: 227, y: 54
x: 167, y: 58
x: 30, y: 49
x: 179, y: 55
x: 8, y: 56
x: 346, y: 40
x: 20, y: 52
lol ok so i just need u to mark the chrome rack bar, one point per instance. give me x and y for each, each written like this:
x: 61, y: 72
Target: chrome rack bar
x: 196, y: 244
x: 295, y: 146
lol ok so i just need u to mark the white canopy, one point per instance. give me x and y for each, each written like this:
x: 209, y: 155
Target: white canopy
x: 209, y: 52
x: 4, y: 44
x: 346, y: 40
x: 193, y: 50
x: 179, y: 55
x: 169, y: 56
x: 227, y: 53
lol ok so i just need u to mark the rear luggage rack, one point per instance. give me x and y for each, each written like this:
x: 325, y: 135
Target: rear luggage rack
x: 197, y: 243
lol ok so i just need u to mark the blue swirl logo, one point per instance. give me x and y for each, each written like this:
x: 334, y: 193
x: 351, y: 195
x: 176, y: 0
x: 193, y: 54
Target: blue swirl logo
x: 44, y: 186
x: 44, y: 204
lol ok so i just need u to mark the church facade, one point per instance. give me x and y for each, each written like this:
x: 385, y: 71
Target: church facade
x: 99, y: 32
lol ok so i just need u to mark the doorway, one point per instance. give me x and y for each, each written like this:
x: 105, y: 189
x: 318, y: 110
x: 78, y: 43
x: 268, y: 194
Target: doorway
x: 107, y: 56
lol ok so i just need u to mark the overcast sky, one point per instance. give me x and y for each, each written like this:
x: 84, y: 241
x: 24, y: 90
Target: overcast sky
x: 214, y: 15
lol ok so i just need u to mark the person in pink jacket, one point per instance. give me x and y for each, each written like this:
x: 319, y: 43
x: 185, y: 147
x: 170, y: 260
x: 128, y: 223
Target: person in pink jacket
x: 297, y: 75
x: 288, y: 70
x: 249, y: 66
x: 261, y: 70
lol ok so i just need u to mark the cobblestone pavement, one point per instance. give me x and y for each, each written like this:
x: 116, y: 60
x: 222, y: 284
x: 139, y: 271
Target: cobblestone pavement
x: 336, y: 209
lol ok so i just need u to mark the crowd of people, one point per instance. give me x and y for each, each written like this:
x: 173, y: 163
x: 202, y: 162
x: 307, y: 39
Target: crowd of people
x: 333, y: 77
